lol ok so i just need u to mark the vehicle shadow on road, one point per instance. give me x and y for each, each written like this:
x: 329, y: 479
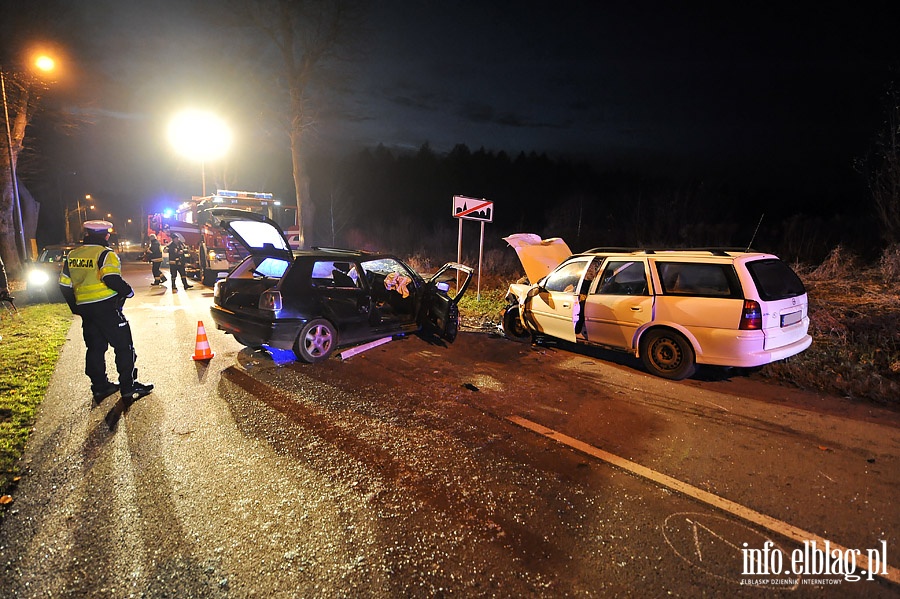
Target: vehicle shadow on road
x: 703, y: 373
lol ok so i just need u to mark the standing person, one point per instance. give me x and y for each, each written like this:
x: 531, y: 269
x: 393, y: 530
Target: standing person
x: 177, y: 250
x: 4, y: 285
x: 154, y: 254
x: 92, y: 284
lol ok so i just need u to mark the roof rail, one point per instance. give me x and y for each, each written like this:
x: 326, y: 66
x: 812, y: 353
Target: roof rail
x: 336, y: 250
x: 715, y: 251
x: 601, y: 250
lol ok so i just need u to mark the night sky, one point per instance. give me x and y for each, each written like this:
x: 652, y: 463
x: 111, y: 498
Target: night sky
x: 776, y: 93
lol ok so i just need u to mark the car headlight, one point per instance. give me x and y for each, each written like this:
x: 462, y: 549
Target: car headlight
x: 38, y: 278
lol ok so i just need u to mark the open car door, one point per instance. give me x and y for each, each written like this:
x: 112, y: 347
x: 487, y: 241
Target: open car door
x: 440, y: 310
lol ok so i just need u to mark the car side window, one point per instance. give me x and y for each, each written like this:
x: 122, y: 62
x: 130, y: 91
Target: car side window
x: 327, y: 273
x: 566, y: 277
x: 621, y: 277
x: 698, y: 279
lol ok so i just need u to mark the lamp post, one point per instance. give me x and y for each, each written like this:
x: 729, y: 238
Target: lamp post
x: 199, y: 136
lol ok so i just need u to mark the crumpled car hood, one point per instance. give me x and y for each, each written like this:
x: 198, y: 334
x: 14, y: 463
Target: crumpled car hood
x: 538, y: 256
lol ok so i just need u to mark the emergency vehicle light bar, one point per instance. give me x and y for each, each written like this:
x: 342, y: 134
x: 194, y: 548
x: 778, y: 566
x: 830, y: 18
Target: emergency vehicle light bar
x: 255, y: 195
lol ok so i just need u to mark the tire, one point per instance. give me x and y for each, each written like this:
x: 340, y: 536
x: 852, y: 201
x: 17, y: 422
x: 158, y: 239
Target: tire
x: 316, y: 341
x: 512, y: 325
x: 667, y: 354
x: 204, y: 267
x: 451, y: 330
x: 208, y: 277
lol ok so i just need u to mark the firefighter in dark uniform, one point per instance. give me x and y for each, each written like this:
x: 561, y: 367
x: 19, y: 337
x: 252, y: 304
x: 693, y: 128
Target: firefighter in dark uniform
x: 177, y: 250
x: 92, y: 284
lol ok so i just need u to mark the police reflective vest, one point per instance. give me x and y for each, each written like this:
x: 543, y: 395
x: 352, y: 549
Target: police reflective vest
x: 84, y: 271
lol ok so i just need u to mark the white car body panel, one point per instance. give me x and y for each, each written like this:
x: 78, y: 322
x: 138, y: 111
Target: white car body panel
x: 617, y: 318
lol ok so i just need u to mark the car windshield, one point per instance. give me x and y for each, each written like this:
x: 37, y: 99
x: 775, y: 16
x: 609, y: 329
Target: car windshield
x: 270, y: 268
x: 53, y: 255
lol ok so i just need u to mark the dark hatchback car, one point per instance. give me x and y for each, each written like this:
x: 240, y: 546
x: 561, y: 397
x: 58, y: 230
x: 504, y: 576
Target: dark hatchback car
x: 315, y: 301
x: 42, y: 275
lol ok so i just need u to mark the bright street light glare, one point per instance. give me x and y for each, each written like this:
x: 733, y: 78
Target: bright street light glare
x: 45, y: 63
x: 199, y: 135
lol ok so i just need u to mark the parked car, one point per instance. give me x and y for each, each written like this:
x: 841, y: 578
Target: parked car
x: 672, y: 308
x: 315, y: 301
x: 42, y: 275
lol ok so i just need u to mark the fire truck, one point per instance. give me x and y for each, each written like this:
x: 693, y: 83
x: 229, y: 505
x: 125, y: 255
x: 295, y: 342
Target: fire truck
x: 212, y: 250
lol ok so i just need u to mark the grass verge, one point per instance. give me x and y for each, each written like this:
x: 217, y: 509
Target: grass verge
x: 29, y: 349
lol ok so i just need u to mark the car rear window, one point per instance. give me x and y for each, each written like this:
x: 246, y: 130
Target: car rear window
x: 775, y: 280
x: 699, y: 279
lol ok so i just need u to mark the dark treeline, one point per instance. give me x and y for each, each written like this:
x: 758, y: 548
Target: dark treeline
x: 402, y: 202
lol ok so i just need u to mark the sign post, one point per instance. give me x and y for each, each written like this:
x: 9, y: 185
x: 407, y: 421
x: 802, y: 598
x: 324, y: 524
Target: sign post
x: 472, y: 209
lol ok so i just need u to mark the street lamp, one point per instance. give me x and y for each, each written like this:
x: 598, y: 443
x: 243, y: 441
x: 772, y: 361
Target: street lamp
x: 46, y: 64
x: 199, y: 136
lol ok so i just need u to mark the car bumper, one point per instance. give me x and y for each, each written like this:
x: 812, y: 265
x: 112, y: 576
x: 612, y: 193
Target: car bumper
x: 748, y: 352
x: 254, y: 330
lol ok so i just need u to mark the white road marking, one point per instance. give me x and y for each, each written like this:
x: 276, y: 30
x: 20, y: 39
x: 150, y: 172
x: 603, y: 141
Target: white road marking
x: 769, y: 523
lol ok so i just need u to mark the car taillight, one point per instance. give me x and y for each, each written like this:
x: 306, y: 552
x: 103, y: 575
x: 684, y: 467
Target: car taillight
x: 751, y: 317
x: 270, y: 300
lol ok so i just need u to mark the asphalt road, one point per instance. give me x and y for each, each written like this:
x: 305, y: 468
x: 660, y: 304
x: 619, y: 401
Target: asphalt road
x: 482, y: 469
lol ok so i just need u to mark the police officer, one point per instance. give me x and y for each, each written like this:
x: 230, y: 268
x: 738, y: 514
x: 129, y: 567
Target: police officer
x: 4, y: 285
x: 92, y: 284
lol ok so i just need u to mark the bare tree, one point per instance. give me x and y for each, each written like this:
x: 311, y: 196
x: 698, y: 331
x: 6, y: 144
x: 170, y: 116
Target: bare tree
x: 23, y: 26
x: 307, y: 35
x: 882, y: 171
x: 22, y: 101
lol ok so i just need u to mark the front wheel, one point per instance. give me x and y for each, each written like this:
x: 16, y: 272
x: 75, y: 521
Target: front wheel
x: 667, y: 354
x: 316, y: 341
x: 451, y: 328
x: 512, y: 325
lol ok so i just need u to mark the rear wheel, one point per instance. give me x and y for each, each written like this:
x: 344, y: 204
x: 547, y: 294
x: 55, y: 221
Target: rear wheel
x: 667, y: 354
x: 512, y: 325
x: 316, y: 341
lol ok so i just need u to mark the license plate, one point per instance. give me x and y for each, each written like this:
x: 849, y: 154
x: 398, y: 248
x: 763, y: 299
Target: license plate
x: 792, y: 318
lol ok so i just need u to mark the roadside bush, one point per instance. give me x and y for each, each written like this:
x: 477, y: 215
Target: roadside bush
x: 840, y: 263
x: 890, y: 263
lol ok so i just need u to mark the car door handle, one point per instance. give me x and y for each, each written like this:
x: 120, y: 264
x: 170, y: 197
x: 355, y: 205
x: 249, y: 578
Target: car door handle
x: 566, y: 305
x: 636, y: 308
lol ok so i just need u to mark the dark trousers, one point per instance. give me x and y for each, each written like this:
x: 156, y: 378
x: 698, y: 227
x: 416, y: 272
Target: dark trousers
x: 104, y: 324
x: 157, y: 270
x: 177, y: 270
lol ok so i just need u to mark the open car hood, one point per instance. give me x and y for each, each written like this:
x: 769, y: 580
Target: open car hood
x: 258, y: 234
x: 538, y: 256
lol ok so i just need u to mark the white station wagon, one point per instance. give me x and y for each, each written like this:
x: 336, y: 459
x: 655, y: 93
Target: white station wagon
x: 672, y: 308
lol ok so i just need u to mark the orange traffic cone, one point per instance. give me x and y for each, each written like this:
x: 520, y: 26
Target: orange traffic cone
x: 202, y: 351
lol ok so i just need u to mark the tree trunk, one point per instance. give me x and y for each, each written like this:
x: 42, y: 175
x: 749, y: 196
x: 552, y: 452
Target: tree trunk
x: 7, y: 223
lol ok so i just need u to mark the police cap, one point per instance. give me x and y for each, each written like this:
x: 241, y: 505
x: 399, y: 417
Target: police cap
x: 98, y: 226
